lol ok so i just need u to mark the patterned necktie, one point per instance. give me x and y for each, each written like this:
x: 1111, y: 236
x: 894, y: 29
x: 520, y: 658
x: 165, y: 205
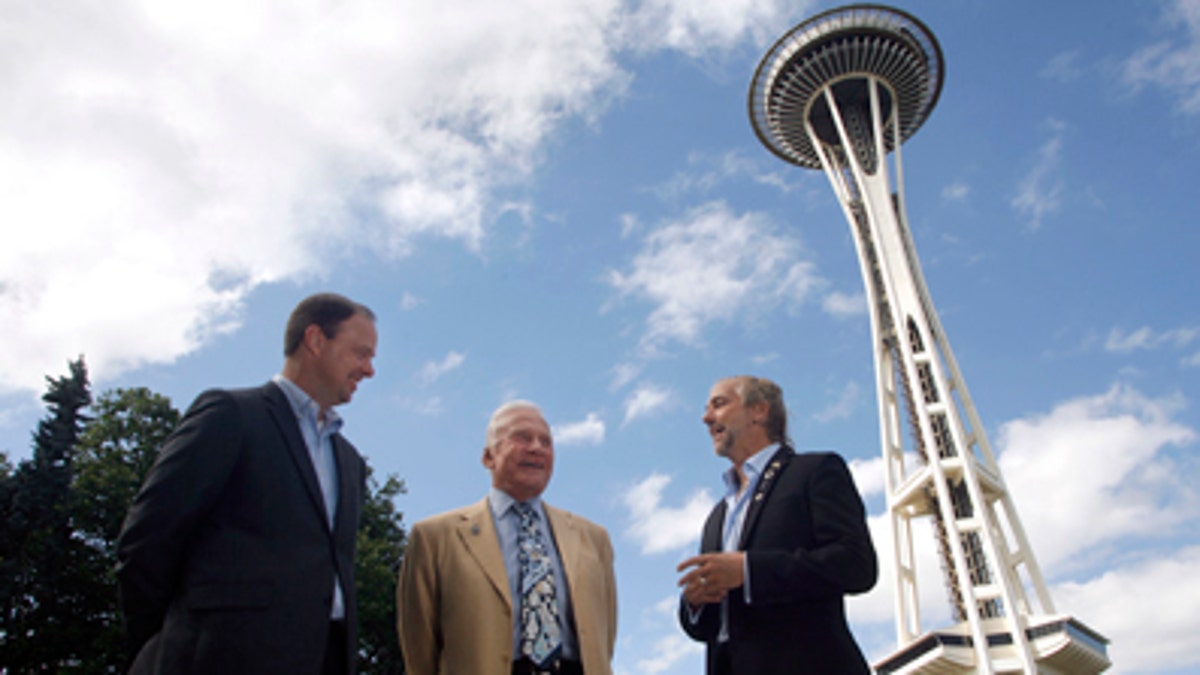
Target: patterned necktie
x: 540, y: 638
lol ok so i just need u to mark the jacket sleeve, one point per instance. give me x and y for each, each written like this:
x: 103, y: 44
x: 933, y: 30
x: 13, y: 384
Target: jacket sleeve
x: 187, y: 477
x: 416, y: 605
x: 703, y: 623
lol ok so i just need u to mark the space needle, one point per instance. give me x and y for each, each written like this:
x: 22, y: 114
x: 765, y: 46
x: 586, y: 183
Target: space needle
x: 841, y: 92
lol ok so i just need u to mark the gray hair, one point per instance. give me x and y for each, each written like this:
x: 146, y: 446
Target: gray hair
x: 510, y: 406
x: 754, y: 390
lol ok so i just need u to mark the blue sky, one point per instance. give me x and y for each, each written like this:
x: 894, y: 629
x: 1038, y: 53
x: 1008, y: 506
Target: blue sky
x: 565, y: 202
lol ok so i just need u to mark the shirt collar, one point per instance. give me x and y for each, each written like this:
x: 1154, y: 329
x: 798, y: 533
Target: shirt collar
x: 305, y: 407
x: 500, y: 502
x: 753, y: 467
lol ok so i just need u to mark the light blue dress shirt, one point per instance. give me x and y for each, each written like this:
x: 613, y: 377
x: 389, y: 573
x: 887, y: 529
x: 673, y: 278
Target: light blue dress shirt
x: 737, y: 504
x: 508, y: 524
x: 318, y: 437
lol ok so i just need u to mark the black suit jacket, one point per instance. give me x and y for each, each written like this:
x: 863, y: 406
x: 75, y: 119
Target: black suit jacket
x: 226, y: 559
x: 807, y: 546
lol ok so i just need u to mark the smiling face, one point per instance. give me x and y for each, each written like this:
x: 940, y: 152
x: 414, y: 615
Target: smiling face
x: 520, y: 454
x: 342, y: 361
x: 737, y: 431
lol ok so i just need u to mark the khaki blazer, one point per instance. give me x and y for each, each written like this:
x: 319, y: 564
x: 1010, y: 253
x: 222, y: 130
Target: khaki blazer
x: 454, y: 614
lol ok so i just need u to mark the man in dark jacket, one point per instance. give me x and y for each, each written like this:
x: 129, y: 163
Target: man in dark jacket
x: 237, y: 555
x: 780, y: 551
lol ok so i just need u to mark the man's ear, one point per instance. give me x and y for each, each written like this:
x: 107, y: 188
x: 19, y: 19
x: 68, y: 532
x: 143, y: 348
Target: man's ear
x: 487, y: 458
x: 314, y: 338
x: 761, y: 410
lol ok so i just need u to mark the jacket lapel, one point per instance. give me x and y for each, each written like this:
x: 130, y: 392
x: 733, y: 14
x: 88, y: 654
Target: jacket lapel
x: 284, y: 417
x: 714, y: 529
x: 349, y: 491
x: 762, y: 491
x: 477, y: 532
x: 567, y: 542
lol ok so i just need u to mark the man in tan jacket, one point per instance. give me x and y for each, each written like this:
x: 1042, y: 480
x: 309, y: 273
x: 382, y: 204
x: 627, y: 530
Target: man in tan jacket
x: 510, y: 584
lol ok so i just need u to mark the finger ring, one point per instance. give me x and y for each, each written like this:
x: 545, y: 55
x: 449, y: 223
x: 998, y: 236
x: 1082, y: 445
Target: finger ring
x: 703, y: 581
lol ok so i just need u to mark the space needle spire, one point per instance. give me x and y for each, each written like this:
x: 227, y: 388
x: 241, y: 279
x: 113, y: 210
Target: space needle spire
x: 841, y: 92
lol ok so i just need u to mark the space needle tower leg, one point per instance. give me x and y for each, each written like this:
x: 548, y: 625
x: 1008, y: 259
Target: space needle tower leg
x: 840, y: 92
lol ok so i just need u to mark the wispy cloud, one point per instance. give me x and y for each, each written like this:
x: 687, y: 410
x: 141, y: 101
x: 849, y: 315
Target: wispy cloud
x: 957, y: 191
x: 842, y: 406
x: 409, y: 302
x: 646, y: 400
x: 434, y: 370
x: 669, y: 650
x: 713, y: 266
x: 844, y: 305
x: 1146, y: 338
x: 1063, y: 67
x: 1172, y: 64
x: 589, y: 430
x: 1039, y: 193
x: 697, y: 28
x: 658, y: 528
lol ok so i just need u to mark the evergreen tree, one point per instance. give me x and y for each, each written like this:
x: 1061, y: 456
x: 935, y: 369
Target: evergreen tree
x: 40, y: 591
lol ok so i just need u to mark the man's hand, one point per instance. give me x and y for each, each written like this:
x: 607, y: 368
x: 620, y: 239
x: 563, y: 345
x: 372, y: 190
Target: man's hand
x: 711, y: 577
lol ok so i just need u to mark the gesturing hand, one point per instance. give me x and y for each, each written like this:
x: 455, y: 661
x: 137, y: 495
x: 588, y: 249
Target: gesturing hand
x: 711, y: 576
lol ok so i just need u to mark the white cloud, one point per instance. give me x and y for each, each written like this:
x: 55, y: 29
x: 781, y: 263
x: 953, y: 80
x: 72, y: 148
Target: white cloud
x: 669, y: 650
x: 646, y: 400
x: 1169, y: 64
x: 842, y: 406
x: 426, y: 407
x: 1146, y: 609
x: 1103, y: 454
x: 843, y: 305
x: 434, y: 370
x: 162, y: 160
x: 1146, y: 338
x: 1104, y: 494
x: 1063, y: 67
x: 713, y: 266
x: 1039, y: 193
x: 957, y: 191
x: 623, y: 374
x: 659, y: 528
x: 409, y: 302
x: 868, y: 476
x: 698, y: 27
x: 589, y: 430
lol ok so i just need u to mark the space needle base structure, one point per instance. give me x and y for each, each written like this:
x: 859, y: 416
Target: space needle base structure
x: 840, y: 92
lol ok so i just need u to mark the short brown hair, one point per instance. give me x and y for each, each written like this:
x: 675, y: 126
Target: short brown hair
x: 326, y: 310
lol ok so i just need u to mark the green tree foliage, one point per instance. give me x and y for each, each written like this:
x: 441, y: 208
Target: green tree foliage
x: 115, y: 451
x: 45, y: 591
x: 61, y: 512
x: 380, y: 545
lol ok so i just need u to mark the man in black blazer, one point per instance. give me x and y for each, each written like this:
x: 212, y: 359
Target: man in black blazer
x: 780, y: 552
x: 237, y: 555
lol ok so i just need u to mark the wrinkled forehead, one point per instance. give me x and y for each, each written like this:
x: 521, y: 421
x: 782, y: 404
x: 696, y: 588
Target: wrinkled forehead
x: 521, y: 418
x: 727, y: 388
